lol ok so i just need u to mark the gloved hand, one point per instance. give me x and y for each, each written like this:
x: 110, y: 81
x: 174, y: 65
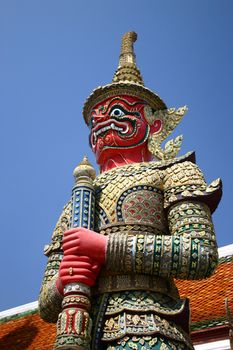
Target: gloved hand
x: 81, y: 241
x: 75, y: 268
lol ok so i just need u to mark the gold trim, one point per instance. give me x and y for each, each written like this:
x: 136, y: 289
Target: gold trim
x: 116, y: 283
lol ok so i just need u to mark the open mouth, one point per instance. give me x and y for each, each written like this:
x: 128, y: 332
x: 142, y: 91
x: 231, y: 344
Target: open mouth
x: 124, y: 128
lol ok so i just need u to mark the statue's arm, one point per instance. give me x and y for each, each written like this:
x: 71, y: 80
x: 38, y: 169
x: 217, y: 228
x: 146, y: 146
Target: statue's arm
x: 50, y: 299
x: 189, y: 251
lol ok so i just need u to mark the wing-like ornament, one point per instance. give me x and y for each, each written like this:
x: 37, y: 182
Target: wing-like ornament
x: 169, y: 118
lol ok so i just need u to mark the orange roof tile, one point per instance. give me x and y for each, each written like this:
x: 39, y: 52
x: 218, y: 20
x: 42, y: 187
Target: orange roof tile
x: 207, y: 297
x: 28, y: 332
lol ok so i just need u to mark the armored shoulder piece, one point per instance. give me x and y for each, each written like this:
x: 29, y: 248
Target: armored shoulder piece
x: 184, y: 181
x: 61, y: 225
x: 50, y: 299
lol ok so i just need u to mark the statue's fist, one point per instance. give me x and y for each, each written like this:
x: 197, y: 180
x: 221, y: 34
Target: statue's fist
x: 81, y: 241
x: 75, y: 269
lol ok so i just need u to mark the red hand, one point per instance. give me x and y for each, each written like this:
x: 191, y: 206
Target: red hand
x: 81, y: 241
x: 75, y: 268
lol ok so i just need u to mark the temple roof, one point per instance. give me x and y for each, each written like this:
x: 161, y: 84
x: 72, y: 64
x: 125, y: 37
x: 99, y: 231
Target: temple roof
x: 208, y: 297
x: 22, y: 328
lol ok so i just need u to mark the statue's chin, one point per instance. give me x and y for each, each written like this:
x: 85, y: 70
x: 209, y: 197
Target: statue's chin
x: 103, y: 155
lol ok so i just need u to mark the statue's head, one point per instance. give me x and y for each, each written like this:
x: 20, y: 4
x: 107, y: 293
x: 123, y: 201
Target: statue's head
x: 122, y: 115
x: 119, y: 124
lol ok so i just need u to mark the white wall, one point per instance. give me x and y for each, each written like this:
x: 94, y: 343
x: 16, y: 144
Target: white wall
x: 216, y: 345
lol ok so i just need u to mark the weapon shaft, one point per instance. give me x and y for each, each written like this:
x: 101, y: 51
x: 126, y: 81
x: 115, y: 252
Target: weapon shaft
x: 74, y: 322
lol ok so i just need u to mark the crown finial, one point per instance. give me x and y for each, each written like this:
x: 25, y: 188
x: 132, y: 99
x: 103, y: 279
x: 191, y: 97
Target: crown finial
x: 127, y: 69
x: 84, y: 171
x: 127, y: 50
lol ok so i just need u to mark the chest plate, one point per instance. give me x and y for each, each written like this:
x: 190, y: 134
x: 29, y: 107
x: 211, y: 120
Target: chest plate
x: 130, y: 194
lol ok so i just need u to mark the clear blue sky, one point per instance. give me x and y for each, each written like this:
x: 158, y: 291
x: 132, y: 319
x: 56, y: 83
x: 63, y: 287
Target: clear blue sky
x: 52, y: 55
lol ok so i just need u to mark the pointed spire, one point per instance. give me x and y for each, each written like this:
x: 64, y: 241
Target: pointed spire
x: 127, y: 70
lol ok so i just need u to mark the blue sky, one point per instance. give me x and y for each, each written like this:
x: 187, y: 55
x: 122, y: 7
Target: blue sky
x: 52, y: 55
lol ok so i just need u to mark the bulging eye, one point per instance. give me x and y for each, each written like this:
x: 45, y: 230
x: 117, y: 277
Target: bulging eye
x: 117, y: 112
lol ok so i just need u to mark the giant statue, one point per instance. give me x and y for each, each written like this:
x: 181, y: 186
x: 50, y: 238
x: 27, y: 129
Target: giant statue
x: 128, y: 232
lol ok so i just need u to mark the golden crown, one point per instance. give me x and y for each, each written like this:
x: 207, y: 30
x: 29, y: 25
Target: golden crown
x: 126, y: 80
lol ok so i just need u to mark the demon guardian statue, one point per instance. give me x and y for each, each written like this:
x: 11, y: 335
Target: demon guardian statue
x: 152, y: 224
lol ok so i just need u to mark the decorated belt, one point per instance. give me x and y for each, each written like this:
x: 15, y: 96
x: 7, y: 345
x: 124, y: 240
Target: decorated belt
x: 116, y: 283
x: 133, y: 228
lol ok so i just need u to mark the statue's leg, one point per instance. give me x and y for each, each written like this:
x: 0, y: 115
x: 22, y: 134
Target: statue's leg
x: 146, y: 343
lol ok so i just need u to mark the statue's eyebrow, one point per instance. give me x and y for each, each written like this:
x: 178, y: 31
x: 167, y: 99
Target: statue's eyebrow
x: 106, y: 107
x: 119, y: 100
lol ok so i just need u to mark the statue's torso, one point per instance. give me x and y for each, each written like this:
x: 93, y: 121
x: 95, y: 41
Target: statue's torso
x: 131, y: 194
x: 130, y: 200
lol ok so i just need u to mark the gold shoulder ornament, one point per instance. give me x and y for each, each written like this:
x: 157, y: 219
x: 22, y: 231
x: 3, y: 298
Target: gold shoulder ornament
x: 169, y: 118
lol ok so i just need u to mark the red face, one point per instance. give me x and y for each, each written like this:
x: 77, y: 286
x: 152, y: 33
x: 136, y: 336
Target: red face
x: 117, y: 123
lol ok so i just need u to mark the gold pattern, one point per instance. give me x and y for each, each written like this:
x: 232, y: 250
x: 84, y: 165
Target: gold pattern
x: 50, y: 301
x: 127, y: 69
x: 84, y: 171
x: 141, y: 301
x: 61, y: 226
x: 169, y: 118
x: 122, y: 282
x: 142, y: 324
x: 114, y: 183
x: 140, y: 170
